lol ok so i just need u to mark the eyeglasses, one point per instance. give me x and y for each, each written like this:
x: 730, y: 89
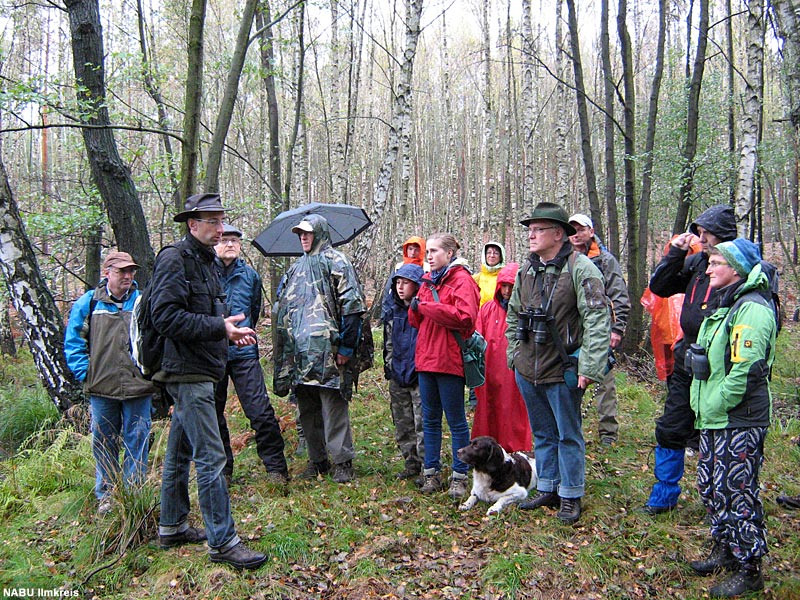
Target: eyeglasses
x: 538, y: 230
x: 234, y: 242
x: 717, y: 263
x: 214, y: 222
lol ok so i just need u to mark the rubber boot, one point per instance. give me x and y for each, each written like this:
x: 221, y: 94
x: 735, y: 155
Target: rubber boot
x: 720, y: 558
x: 668, y: 471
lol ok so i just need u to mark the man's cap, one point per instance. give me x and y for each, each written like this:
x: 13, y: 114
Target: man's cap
x: 582, y: 220
x: 207, y: 202
x: 303, y: 226
x: 550, y: 212
x: 119, y: 260
x: 228, y: 229
x: 741, y: 254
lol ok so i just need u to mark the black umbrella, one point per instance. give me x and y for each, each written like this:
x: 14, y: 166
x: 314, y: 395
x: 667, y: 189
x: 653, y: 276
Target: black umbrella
x: 344, y: 221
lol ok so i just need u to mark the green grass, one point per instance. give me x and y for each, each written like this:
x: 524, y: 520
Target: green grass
x: 377, y: 536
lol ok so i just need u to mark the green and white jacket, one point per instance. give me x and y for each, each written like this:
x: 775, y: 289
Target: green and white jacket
x: 741, y: 350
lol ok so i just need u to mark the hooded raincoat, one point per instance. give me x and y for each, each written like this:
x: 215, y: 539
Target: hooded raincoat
x: 317, y: 316
x: 486, y: 278
x: 501, y: 411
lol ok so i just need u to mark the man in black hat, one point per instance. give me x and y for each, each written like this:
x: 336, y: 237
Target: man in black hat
x: 558, y: 331
x: 242, y: 287
x: 188, y: 309
x: 680, y: 272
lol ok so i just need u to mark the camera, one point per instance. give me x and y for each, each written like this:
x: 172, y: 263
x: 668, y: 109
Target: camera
x: 533, y: 320
x: 696, y: 362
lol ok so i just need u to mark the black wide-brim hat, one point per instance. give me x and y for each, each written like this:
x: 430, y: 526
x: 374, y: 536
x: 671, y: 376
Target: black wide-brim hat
x: 549, y: 211
x: 198, y: 203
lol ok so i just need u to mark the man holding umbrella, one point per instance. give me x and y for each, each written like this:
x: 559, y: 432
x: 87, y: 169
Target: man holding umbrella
x: 318, y: 326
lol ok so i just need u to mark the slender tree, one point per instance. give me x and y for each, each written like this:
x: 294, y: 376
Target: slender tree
x: 111, y: 176
x: 190, y: 152
x: 692, y: 119
x: 609, y: 131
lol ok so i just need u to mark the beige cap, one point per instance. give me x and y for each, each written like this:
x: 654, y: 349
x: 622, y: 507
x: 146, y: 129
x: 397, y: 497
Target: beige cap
x: 303, y: 226
x: 120, y: 260
x: 582, y: 220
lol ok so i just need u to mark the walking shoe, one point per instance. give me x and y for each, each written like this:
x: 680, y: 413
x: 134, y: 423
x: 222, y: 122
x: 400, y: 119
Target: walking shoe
x: 313, y: 469
x: 608, y: 440
x: 648, y: 509
x: 458, y: 486
x: 570, y: 510
x: 433, y: 482
x: 790, y: 502
x: 192, y: 535
x: 747, y: 579
x: 343, y: 472
x: 550, y: 499
x: 720, y: 558
x: 277, y: 477
x: 239, y: 557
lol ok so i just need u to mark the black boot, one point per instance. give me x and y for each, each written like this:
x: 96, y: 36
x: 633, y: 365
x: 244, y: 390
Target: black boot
x: 720, y: 558
x: 747, y: 579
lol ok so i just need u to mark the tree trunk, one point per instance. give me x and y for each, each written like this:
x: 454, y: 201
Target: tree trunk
x: 193, y: 103
x: 489, y: 179
x: 563, y: 170
x: 401, y: 110
x: 583, y: 115
x: 528, y: 107
x: 731, y: 97
x: 111, y: 176
x: 299, y: 67
x: 692, y: 119
x: 636, y: 316
x: 229, y: 97
x: 751, y: 118
x: 41, y: 320
x: 612, y: 233
x: 634, y: 326
x: 152, y: 89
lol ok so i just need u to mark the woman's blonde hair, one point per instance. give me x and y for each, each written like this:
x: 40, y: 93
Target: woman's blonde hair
x: 446, y: 241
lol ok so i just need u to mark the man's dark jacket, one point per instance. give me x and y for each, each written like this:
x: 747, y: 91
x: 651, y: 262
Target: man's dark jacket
x: 185, y: 289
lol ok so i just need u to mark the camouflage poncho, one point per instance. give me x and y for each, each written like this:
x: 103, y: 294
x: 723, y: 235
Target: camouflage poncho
x: 321, y: 289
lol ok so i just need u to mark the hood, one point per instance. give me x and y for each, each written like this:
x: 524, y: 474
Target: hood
x: 498, y: 266
x: 419, y: 242
x: 322, y: 236
x: 719, y: 220
x: 409, y: 271
x: 507, y: 274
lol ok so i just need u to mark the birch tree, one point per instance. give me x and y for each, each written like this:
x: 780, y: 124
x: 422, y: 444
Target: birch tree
x: 40, y: 317
x: 401, y: 112
x: 528, y: 108
x: 746, y: 180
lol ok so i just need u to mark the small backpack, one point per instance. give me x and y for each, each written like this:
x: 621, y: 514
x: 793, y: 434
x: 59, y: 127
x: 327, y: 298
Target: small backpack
x: 147, y: 344
x: 771, y: 295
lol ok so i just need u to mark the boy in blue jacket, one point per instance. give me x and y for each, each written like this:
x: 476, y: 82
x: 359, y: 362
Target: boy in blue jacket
x: 399, y: 345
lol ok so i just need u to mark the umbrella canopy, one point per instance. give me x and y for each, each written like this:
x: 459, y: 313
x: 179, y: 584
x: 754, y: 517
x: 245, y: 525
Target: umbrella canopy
x: 344, y: 221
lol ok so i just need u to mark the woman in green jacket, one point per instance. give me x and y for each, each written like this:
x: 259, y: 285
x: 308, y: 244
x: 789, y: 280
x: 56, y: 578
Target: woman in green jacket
x: 731, y: 400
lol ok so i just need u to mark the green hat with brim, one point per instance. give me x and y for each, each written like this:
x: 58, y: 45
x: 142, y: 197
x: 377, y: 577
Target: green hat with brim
x: 548, y: 211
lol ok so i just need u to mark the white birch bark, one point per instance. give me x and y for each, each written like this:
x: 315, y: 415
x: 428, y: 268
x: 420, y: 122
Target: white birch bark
x: 562, y: 160
x: 528, y: 108
x: 751, y: 118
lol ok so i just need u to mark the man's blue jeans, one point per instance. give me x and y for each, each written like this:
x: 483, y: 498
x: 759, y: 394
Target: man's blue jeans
x: 111, y: 419
x: 194, y: 435
x: 443, y: 393
x: 555, y: 415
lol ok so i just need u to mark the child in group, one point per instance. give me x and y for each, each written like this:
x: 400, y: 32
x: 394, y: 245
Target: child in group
x: 501, y: 411
x: 399, y: 345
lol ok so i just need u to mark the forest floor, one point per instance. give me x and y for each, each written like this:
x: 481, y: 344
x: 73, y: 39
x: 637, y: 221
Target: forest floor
x: 378, y: 537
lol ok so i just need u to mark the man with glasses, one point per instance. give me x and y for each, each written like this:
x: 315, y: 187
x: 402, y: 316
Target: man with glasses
x: 188, y: 309
x: 243, y: 294
x: 96, y: 346
x: 558, y: 331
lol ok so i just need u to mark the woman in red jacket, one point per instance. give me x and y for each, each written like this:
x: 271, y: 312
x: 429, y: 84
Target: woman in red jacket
x: 438, y: 356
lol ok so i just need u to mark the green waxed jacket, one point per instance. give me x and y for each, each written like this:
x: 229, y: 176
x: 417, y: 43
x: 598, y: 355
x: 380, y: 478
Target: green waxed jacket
x: 581, y: 313
x: 740, y: 352
x: 317, y: 316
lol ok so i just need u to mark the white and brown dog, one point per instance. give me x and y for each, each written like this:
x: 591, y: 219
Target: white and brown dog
x: 497, y: 476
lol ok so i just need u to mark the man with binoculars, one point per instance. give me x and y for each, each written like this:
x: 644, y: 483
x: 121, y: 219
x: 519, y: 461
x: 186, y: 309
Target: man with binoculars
x: 558, y: 330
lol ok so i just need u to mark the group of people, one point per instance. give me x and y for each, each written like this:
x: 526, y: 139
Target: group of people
x: 551, y: 325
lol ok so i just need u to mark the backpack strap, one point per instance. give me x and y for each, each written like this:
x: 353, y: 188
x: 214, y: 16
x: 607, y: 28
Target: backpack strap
x: 751, y: 296
x: 92, y: 305
x: 457, y: 335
